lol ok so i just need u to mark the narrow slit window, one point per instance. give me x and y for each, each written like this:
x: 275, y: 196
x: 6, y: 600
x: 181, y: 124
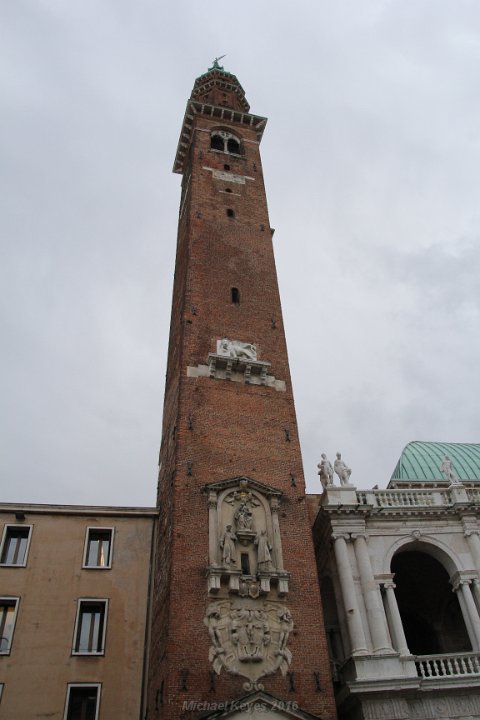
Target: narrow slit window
x: 245, y: 560
x: 235, y: 294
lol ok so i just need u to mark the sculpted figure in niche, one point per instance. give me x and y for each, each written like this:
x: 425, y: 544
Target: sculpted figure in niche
x: 227, y: 544
x: 342, y: 470
x: 447, y: 469
x: 236, y: 349
x: 264, y: 558
x: 244, y: 516
x: 325, y: 470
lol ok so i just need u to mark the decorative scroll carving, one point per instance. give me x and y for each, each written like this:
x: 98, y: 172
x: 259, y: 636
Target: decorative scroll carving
x: 249, y: 639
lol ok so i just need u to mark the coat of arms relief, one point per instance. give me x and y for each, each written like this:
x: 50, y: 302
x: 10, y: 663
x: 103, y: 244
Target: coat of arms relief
x: 248, y: 623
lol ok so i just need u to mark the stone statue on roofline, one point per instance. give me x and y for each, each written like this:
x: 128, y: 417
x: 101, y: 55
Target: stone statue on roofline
x: 325, y: 471
x: 447, y: 469
x: 342, y: 470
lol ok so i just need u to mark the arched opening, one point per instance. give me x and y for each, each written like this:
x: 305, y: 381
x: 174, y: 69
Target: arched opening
x: 432, y: 619
x: 230, y: 213
x: 216, y: 142
x: 235, y: 294
x: 224, y: 141
x: 233, y: 146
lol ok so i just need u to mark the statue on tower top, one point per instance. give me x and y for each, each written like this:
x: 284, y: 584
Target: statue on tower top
x: 215, y: 65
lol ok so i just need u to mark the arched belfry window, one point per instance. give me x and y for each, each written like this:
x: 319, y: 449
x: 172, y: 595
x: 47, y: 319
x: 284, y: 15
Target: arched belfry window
x: 225, y: 142
x: 233, y: 146
x: 217, y: 143
x: 235, y: 294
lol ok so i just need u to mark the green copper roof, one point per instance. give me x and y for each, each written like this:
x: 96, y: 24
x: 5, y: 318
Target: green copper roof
x: 422, y: 461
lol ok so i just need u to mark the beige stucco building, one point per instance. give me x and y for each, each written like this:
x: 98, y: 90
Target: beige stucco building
x: 74, y: 609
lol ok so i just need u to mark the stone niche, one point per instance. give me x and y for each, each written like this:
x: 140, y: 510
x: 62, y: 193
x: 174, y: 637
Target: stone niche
x: 245, y: 548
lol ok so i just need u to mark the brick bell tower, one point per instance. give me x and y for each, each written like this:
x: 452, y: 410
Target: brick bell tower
x: 237, y: 617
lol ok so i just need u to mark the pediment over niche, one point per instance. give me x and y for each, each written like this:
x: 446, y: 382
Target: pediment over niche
x: 266, y: 490
x: 245, y: 547
x: 258, y: 705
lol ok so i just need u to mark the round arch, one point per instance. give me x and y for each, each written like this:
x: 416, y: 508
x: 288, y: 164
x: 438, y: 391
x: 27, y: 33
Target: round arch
x: 431, y: 546
x: 431, y: 615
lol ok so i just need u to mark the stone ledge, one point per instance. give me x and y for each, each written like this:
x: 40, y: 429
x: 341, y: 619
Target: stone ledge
x: 249, y: 372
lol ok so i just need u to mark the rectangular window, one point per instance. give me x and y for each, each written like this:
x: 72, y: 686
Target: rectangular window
x: 98, y: 548
x: 82, y: 702
x: 90, y: 627
x: 15, y: 542
x: 8, y: 616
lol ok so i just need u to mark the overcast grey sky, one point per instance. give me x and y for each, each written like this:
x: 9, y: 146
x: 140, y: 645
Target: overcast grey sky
x: 372, y: 165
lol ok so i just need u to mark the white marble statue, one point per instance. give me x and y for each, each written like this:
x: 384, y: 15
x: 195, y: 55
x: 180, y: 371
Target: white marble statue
x: 447, y: 469
x: 227, y: 544
x: 244, y: 516
x: 325, y: 471
x: 342, y: 470
x: 264, y: 558
x: 236, y: 349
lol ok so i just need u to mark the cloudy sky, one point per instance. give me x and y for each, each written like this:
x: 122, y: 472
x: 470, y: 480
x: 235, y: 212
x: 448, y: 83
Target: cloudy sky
x: 372, y: 164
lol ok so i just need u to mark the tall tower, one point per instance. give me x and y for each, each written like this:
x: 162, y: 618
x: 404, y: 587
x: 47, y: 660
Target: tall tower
x: 236, y: 607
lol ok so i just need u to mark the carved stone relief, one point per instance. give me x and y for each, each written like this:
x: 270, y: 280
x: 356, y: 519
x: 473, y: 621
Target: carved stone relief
x: 249, y: 638
x: 237, y: 361
x: 236, y: 349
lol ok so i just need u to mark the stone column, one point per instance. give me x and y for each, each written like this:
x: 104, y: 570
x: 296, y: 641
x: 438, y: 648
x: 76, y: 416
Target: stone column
x: 276, y: 540
x: 373, y: 600
x: 476, y: 592
x: 469, y: 609
x: 352, y: 612
x: 212, y: 529
x: 396, y: 629
x: 474, y: 546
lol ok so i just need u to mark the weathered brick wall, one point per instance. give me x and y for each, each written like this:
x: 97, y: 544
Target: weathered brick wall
x: 236, y: 429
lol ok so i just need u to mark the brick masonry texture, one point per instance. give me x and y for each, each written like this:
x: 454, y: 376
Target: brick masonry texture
x: 225, y: 430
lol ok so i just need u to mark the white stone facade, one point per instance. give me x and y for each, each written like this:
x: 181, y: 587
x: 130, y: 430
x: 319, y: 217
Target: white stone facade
x: 361, y: 537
